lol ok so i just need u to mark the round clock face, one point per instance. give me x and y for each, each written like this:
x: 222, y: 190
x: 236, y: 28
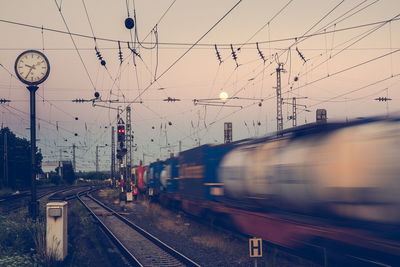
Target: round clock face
x: 32, y: 67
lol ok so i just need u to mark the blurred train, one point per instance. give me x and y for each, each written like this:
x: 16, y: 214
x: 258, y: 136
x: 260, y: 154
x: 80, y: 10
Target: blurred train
x: 328, y: 180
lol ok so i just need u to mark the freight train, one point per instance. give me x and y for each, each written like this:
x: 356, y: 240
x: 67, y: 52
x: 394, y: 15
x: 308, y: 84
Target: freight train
x: 328, y: 180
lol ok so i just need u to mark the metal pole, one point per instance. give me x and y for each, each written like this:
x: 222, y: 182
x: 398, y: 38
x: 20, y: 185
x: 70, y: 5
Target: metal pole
x: 128, y: 156
x: 73, y: 157
x: 112, y: 154
x: 294, y: 112
x: 97, y: 160
x: 34, y: 205
x: 279, y: 118
x: 5, y: 160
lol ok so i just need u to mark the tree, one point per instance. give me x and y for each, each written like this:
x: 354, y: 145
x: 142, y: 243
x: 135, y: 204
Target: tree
x: 18, y: 160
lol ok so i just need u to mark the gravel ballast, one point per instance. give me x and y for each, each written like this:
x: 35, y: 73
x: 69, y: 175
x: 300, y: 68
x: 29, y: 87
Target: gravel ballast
x: 201, y: 242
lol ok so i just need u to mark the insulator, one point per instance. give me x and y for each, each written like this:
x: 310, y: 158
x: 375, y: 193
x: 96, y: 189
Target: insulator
x: 98, y: 53
x: 301, y: 55
x: 120, y: 52
x: 233, y: 53
x: 260, y: 53
x: 234, y: 56
x: 218, y: 55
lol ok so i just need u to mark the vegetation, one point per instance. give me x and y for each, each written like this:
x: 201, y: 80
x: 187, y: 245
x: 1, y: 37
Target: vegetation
x: 18, y: 159
x: 18, y: 243
x: 23, y: 242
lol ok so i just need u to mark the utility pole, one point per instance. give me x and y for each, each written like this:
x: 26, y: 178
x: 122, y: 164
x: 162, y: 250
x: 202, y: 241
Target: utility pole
x: 97, y: 160
x: 294, y: 114
x: 294, y: 109
x: 5, y: 164
x: 279, y: 117
x: 112, y: 155
x: 60, y: 165
x: 73, y: 157
x: 128, y: 156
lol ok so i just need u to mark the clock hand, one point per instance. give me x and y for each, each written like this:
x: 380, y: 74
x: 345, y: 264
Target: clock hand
x: 28, y: 73
x: 28, y: 66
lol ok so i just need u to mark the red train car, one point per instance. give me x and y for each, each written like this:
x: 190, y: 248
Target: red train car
x: 139, y: 173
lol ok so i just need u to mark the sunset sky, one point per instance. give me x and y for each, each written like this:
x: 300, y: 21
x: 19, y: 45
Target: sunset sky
x: 337, y: 55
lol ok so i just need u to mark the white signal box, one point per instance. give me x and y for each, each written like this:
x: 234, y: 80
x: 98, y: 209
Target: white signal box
x: 56, y: 229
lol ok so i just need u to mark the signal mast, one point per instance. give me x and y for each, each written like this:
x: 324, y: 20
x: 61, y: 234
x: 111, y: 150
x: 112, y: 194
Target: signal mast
x: 121, y: 150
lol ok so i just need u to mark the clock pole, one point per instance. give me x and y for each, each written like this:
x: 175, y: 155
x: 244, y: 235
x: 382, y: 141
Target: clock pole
x: 32, y: 68
x: 34, y: 205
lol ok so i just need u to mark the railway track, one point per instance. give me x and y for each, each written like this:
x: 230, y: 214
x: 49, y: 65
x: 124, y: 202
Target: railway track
x: 16, y: 201
x: 139, y: 247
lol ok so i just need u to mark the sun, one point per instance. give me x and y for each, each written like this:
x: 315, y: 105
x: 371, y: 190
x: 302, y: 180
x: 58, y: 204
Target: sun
x: 223, y: 95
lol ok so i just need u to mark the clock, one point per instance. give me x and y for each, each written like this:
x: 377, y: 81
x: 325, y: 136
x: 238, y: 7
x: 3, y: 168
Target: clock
x: 32, y: 67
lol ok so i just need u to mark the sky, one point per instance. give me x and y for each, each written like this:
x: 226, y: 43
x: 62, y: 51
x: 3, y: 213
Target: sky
x: 338, y: 55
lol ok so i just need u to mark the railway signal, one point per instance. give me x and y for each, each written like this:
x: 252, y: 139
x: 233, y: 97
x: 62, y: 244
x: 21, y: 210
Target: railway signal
x: 121, y: 133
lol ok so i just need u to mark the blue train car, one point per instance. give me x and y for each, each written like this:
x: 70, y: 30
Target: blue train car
x: 198, y: 172
x: 153, y: 178
x: 170, y: 175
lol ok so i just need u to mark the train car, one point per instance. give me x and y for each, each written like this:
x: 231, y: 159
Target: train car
x: 314, y: 183
x: 153, y: 178
x: 343, y: 170
x: 198, y: 172
x: 139, y: 175
x: 169, y: 175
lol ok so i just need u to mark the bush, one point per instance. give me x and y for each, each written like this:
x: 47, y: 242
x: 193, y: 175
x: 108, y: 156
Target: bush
x: 22, y: 241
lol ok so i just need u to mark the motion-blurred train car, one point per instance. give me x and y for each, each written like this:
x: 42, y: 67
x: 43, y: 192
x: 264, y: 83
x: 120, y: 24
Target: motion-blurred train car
x: 198, y: 172
x: 153, y: 178
x: 169, y: 175
x: 346, y: 170
x: 139, y: 176
x: 329, y: 181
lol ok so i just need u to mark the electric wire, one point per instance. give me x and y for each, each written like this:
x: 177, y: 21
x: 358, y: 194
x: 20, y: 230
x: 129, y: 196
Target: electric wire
x: 226, y: 45
x: 76, y: 48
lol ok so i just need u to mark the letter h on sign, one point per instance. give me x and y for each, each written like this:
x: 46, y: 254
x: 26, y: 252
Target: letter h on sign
x: 255, y: 247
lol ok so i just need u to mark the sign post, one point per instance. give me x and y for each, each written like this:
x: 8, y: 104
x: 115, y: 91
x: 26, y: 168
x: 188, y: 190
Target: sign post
x: 255, y: 249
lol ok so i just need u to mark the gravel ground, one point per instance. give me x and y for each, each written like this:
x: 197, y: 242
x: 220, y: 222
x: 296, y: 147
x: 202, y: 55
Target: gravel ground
x: 206, y: 245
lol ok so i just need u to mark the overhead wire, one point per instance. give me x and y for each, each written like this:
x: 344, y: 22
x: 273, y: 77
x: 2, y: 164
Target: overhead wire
x: 226, y: 45
x: 358, y: 37
x: 190, y: 48
x: 76, y: 48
